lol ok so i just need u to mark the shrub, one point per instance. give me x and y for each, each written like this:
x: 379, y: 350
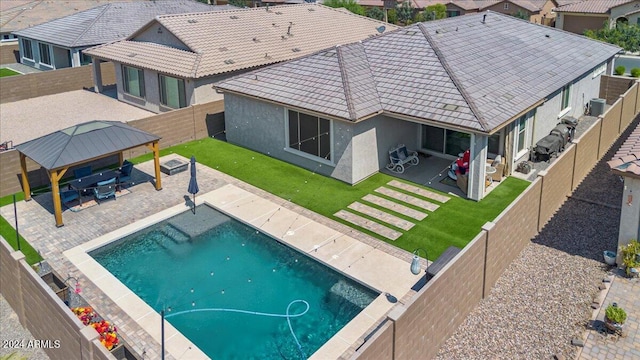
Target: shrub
x: 615, y: 314
x: 635, y: 72
x: 619, y: 70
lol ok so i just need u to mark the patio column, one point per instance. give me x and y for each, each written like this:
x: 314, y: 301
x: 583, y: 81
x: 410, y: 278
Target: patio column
x: 155, y: 147
x: 97, y: 75
x: 56, y: 175
x: 25, y: 179
x: 477, y: 167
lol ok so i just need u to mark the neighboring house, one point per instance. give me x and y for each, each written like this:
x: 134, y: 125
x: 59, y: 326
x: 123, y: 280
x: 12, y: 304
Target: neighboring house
x: 626, y: 164
x: 173, y: 61
x: 489, y: 82
x: 20, y: 14
x: 58, y: 43
x: 593, y: 15
x: 536, y: 11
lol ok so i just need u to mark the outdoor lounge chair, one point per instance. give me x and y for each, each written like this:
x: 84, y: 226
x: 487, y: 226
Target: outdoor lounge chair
x: 124, y: 173
x: 105, y: 189
x: 399, y: 157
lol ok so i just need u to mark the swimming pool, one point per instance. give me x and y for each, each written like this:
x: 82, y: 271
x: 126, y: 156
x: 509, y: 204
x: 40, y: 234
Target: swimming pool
x: 198, y: 267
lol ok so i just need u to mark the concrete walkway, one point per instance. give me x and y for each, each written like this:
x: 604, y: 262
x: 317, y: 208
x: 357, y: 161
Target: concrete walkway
x: 601, y: 344
x: 22, y: 69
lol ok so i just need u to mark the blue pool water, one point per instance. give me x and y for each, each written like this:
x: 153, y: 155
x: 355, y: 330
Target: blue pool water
x: 209, y: 261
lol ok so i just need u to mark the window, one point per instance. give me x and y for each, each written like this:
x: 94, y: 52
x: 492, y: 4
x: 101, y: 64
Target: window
x: 493, y: 144
x: 566, y: 97
x: 506, y: 6
x: 172, y: 92
x: 85, y: 59
x: 133, y: 81
x: 27, y: 50
x: 45, y: 56
x: 310, y: 134
x: 452, y: 13
x: 444, y: 141
x: 521, y: 138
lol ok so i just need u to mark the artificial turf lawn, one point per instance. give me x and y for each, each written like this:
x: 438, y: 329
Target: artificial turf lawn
x: 9, y: 233
x: 7, y: 72
x: 455, y: 223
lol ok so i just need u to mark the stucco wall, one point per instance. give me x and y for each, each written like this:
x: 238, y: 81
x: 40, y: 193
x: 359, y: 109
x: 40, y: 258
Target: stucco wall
x: 151, y: 100
x: 630, y: 212
x: 620, y: 11
x: 159, y: 34
x: 577, y: 23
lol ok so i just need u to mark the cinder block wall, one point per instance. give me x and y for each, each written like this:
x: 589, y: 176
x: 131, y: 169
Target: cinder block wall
x: 14, y: 88
x: 9, y: 53
x: 587, y: 155
x: 612, y: 86
x: 629, y: 99
x: 435, y: 312
x: 556, y: 185
x: 379, y: 346
x: 511, y: 232
x: 610, y: 127
x: 42, y: 312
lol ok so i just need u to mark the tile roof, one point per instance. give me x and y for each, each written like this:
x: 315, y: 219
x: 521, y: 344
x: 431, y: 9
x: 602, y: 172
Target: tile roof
x: 592, y: 6
x: 457, y: 71
x: 478, y: 5
x: 109, y: 22
x: 19, y: 14
x: 627, y: 158
x: 244, y: 38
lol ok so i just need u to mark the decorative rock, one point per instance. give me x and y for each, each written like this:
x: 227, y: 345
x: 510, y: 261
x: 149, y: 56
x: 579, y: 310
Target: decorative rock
x: 577, y: 342
x: 602, y: 287
x: 559, y: 357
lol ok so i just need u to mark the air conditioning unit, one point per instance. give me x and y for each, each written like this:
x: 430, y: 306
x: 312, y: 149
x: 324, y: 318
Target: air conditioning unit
x: 597, y: 107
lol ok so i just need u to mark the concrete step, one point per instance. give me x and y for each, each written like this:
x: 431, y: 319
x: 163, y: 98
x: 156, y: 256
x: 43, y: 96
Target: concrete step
x: 407, y: 198
x: 419, y: 191
x: 394, y: 206
x: 368, y: 224
x: 382, y: 216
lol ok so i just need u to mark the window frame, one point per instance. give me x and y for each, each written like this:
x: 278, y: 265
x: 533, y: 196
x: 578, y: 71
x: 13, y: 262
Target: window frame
x: 162, y: 92
x: 125, y: 82
x: 506, y: 6
x: 25, y: 47
x: 300, y: 152
x: 47, y: 52
x: 565, y: 100
x: 520, y: 148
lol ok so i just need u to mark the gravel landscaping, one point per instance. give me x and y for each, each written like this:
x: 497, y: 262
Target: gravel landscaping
x: 11, y: 331
x: 542, y: 299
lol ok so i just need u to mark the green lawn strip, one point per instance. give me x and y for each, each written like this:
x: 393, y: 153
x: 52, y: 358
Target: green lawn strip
x: 455, y: 223
x: 8, y: 232
x: 7, y: 72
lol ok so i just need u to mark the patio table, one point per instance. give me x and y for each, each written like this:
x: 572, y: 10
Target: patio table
x: 90, y: 181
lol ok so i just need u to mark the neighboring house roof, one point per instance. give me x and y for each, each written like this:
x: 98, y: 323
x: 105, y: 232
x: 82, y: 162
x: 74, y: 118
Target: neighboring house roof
x: 83, y: 142
x: 627, y: 158
x: 219, y: 42
x: 19, y: 14
x: 592, y: 6
x: 455, y: 71
x: 109, y: 22
x: 478, y: 5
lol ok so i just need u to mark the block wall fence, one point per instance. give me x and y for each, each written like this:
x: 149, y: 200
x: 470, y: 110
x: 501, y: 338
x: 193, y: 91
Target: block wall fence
x: 9, y: 53
x: 21, y: 87
x: 414, y: 330
x: 417, y: 329
x: 41, y: 311
x: 174, y: 127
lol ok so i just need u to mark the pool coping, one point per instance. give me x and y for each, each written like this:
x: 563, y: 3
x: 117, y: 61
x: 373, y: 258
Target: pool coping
x: 347, y: 255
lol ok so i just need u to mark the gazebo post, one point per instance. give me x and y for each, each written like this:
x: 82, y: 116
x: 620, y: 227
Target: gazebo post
x: 155, y: 147
x: 121, y: 157
x: 25, y: 178
x: 56, y: 175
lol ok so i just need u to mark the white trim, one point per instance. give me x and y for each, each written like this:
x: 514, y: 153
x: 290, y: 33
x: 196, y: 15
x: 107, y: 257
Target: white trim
x: 516, y: 136
x: 564, y: 112
x: 599, y: 70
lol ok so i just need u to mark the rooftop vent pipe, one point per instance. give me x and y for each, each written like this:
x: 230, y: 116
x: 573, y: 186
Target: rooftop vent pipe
x: 484, y: 18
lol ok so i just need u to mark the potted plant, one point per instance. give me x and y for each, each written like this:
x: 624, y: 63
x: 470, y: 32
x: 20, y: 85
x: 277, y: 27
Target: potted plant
x: 614, y: 317
x: 630, y: 254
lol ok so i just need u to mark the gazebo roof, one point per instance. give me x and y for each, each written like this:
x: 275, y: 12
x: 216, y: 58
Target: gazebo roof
x: 83, y: 142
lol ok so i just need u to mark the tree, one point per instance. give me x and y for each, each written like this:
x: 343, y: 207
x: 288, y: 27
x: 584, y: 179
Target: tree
x: 521, y: 15
x: 623, y: 35
x: 405, y: 13
x: 392, y: 16
x: 350, y: 5
x: 237, y: 3
x: 439, y: 10
x: 375, y: 13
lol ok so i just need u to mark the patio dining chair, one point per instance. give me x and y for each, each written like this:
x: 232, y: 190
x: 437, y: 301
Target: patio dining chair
x: 67, y: 195
x: 124, y: 173
x: 105, y: 189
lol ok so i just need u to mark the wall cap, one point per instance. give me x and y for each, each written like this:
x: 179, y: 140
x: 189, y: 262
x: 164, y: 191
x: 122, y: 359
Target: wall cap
x: 543, y: 173
x: 488, y: 226
x: 396, y: 312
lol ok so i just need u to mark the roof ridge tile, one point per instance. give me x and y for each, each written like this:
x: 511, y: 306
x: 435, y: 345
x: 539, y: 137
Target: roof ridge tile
x: 345, y: 83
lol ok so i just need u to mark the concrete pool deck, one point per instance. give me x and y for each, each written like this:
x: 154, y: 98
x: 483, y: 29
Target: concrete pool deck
x: 370, y: 261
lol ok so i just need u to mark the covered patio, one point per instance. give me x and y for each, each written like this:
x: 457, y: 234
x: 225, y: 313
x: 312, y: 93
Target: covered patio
x: 80, y: 144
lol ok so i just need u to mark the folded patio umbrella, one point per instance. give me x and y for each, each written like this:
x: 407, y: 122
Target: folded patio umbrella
x: 193, y: 183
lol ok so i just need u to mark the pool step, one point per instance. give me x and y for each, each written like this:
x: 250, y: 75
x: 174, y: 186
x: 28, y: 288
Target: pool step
x: 350, y: 294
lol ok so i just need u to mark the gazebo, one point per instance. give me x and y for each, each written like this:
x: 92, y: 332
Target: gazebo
x: 60, y: 150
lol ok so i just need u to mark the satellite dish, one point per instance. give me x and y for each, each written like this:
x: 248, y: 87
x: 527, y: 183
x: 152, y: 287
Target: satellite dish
x: 381, y: 29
